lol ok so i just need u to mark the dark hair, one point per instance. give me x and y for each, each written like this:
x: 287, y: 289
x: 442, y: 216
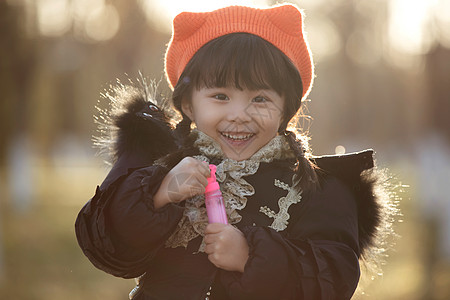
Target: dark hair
x: 244, y: 60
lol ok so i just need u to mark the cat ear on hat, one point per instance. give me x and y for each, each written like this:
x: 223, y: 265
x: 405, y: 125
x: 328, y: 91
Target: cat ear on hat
x: 186, y: 24
x: 287, y: 18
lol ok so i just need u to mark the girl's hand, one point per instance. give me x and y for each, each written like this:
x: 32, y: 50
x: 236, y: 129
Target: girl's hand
x: 187, y: 179
x: 226, y: 247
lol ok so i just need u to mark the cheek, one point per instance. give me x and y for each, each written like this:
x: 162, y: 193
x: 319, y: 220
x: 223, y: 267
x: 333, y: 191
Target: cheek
x: 268, y: 117
x: 205, y: 119
x: 275, y: 126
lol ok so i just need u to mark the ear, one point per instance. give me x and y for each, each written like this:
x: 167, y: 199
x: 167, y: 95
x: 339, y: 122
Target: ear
x: 186, y: 108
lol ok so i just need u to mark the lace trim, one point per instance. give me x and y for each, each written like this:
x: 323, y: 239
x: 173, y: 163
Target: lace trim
x: 235, y: 189
x: 281, y: 218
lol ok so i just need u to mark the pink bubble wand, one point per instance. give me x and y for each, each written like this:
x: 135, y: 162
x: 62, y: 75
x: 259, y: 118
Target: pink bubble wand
x: 215, y: 207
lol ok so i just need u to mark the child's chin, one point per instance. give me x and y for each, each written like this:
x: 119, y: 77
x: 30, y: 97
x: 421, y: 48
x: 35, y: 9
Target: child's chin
x: 238, y: 155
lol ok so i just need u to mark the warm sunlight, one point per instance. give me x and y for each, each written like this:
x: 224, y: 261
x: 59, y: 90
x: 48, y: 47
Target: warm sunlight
x: 70, y: 69
x: 161, y: 12
x: 91, y: 20
x: 410, y: 25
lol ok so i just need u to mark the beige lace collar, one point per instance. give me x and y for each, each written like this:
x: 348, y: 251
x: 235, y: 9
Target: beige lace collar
x: 235, y: 189
x: 277, y: 148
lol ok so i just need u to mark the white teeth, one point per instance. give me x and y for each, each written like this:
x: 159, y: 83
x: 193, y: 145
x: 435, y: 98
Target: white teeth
x: 237, y: 137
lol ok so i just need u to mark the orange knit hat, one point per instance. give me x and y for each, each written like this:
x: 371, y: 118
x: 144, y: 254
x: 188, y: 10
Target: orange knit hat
x: 280, y: 25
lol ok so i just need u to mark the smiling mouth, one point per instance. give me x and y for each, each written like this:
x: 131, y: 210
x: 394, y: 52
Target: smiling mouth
x: 235, y: 136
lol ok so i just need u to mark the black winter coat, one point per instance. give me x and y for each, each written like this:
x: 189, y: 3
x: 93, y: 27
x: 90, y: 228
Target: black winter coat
x: 315, y: 257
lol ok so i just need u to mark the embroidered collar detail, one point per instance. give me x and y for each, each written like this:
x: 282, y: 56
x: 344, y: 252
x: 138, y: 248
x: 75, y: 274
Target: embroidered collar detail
x: 281, y: 218
x: 235, y: 189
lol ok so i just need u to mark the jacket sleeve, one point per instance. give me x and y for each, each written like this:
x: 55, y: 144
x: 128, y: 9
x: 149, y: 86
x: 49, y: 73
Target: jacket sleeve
x: 119, y: 229
x: 316, y: 259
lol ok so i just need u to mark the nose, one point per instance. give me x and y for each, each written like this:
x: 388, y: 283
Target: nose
x: 238, y: 112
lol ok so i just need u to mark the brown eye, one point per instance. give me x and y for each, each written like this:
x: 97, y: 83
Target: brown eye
x: 221, y: 97
x: 153, y: 107
x: 260, y: 99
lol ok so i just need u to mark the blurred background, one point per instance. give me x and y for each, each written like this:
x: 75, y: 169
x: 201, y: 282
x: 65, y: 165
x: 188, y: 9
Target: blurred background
x: 383, y: 82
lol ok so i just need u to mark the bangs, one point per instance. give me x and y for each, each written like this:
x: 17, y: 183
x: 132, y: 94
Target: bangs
x: 243, y: 61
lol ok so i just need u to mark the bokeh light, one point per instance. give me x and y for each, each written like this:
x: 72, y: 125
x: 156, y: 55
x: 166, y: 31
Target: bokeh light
x: 442, y: 13
x: 160, y: 13
x: 409, y: 26
x: 323, y: 37
x: 53, y: 17
x: 102, y: 23
x: 91, y: 21
x: 383, y: 82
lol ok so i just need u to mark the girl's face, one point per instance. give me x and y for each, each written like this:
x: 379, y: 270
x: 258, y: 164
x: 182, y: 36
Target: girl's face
x: 241, y: 121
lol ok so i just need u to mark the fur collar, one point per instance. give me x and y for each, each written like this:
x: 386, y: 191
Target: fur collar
x: 136, y: 131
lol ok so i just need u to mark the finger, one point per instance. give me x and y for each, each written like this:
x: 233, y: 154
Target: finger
x: 188, y: 161
x: 208, y: 239
x: 196, y: 188
x: 207, y: 169
x: 211, y: 259
x: 214, y: 258
x: 202, y: 180
x: 212, y: 238
x: 209, y: 249
x: 203, y: 168
x: 214, y: 249
x: 215, y: 228
x: 197, y: 182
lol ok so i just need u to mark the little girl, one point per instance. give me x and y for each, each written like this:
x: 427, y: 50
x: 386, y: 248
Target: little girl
x: 297, y: 224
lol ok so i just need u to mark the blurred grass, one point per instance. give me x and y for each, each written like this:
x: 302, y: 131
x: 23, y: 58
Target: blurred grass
x: 42, y: 260
x: 41, y: 257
